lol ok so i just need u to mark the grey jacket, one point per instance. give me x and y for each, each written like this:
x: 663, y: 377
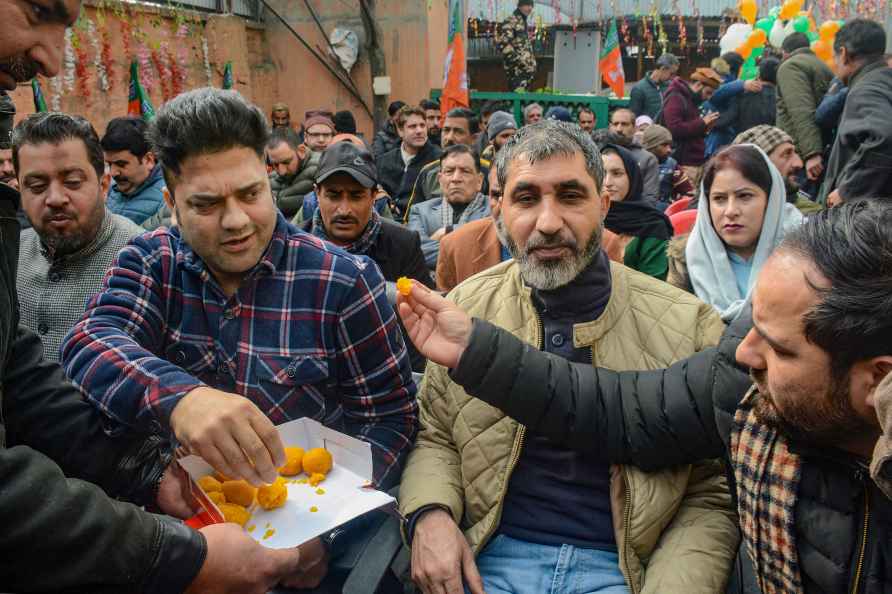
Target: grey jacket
x: 289, y: 193
x: 650, y: 172
x: 646, y: 98
x: 53, y: 292
x: 428, y: 217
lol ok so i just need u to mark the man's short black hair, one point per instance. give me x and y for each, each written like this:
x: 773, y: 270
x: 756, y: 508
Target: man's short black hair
x: 850, y: 246
x: 768, y: 70
x: 427, y: 104
x: 126, y: 134
x: 490, y: 107
x: 461, y: 149
x: 205, y: 121
x: 584, y: 109
x: 795, y: 41
x: 394, y: 107
x: 55, y: 128
x: 467, y: 114
x: 286, y: 135
x: 344, y: 122
x: 862, y: 39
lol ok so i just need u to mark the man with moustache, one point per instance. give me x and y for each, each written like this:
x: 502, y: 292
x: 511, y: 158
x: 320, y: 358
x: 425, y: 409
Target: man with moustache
x: 346, y: 216
x: 74, y: 238
x: 71, y: 493
x: 537, y: 515
x: 799, y: 434
x: 779, y: 147
x: 137, y: 191
x: 233, y: 321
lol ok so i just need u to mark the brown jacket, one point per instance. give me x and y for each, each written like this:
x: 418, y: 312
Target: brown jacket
x: 470, y: 249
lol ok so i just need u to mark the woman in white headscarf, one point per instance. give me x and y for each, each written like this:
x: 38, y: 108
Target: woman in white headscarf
x: 742, y: 217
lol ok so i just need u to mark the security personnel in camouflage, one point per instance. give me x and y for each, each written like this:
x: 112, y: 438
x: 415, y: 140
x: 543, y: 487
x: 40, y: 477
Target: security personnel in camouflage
x: 514, y: 42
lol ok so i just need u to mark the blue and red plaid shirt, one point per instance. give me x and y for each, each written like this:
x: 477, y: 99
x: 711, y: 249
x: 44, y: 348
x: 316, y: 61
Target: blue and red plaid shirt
x: 309, y: 333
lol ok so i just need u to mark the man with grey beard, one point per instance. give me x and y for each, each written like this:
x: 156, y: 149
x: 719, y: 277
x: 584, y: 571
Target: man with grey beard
x: 492, y: 505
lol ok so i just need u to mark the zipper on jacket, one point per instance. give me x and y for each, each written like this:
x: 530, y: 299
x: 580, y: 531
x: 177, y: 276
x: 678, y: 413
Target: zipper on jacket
x: 856, y: 583
x: 515, y: 451
x: 627, y: 511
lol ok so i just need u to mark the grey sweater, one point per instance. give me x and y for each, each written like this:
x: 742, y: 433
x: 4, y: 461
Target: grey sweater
x: 53, y: 293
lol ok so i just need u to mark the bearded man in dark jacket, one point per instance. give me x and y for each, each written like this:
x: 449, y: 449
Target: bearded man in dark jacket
x: 68, y: 491
x: 797, y: 437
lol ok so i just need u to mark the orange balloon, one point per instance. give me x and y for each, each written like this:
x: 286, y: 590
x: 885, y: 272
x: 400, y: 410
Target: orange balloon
x: 748, y: 10
x: 744, y: 51
x: 828, y: 30
x: 788, y: 10
x: 757, y: 38
x: 822, y: 49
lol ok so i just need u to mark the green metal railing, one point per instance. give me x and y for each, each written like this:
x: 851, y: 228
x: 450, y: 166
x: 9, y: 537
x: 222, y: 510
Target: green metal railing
x: 601, y: 106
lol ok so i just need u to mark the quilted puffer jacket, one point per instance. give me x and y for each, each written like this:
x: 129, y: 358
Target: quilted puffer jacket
x: 675, y: 529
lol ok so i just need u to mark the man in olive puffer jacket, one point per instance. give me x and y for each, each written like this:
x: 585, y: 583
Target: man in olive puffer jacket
x: 817, y: 358
x: 482, y: 492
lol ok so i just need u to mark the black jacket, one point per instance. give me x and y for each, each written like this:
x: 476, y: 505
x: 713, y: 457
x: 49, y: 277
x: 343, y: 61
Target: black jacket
x: 61, y: 529
x: 398, y: 180
x: 385, y: 140
x: 860, y: 163
x: 753, y: 109
x: 397, y: 252
x: 680, y: 415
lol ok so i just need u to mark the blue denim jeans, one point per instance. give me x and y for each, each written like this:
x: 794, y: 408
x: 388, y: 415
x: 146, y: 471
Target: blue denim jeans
x: 511, y: 566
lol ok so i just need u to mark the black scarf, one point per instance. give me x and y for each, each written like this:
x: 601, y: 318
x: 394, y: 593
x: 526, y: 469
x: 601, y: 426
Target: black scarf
x: 635, y: 216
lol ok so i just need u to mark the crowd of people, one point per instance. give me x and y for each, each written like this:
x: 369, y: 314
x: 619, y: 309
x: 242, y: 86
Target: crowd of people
x: 649, y: 357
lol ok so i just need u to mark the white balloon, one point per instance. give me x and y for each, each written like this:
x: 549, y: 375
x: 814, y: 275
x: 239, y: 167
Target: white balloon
x: 735, y: 36
x: 778, y: 34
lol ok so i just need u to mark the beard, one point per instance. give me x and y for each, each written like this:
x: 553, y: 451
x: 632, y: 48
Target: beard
x: 62, y: 244
x: 553, y: 274
x: 829, y: 420
x: 21, y: 68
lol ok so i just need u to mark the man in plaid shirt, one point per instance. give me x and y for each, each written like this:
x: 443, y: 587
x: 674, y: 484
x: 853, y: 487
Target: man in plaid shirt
x: 236, y: 321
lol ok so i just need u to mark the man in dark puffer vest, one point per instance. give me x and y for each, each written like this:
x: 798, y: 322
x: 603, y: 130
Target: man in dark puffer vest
x: 797, y: 444
x: 295, y: 167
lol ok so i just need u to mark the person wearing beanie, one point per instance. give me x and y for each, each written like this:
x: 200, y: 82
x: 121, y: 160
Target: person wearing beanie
x: 559, y: 113
x: 500, y: 130
x: 674, y: 182
x: 513, y: 42
x: 781, y: 150
x: 318, y: 131
x: 641, y: 124
x: 280, y: 116
x: 681, y: 116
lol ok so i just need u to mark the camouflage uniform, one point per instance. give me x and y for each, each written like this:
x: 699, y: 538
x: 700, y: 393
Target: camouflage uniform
x: 514, y: 43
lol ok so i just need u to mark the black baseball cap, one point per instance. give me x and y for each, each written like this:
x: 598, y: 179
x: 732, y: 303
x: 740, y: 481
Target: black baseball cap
x: 346, y: 157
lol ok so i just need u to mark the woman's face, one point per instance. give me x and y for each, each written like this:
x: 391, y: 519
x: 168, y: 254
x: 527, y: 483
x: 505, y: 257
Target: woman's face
x: 616, y: 180
x: 737, y: 209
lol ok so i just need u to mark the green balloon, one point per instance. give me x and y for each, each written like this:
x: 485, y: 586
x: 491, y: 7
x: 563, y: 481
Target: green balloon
x: 801, y: 24
x: 757, y: 52
x: 765, y: 24
x: 812, y: 36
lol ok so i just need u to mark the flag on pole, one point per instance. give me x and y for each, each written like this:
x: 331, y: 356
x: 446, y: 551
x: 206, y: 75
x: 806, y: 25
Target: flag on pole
x: 138, y: 103
x: 39, y: 99
x: 611, y: 63
x: 455, y: 76
x: 228, y: 82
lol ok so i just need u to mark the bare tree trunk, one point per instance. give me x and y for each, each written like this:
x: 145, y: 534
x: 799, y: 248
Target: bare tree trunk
x: 377, y: 59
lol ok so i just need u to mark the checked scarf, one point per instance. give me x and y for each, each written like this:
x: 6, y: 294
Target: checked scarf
x: 767, y: 475
x: 363, y: 243
x: 446, y: 212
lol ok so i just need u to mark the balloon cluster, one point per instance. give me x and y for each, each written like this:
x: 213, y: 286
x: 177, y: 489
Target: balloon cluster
x: 750, y: 38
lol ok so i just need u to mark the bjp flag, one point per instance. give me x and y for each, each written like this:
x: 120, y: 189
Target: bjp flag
x: 611, y: 63
x: 138, y: 103
x: 455, y: 77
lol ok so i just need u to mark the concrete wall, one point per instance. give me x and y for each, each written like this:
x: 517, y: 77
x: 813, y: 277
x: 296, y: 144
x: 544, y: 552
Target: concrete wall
x: 269, y: 64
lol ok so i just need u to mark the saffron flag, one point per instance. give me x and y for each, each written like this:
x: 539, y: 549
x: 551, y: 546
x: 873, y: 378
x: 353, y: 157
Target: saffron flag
x: 611, y: 62
x: 228, y: 80
x: 39, y: 100
x: 455, y: 76
x: 138, y: 103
